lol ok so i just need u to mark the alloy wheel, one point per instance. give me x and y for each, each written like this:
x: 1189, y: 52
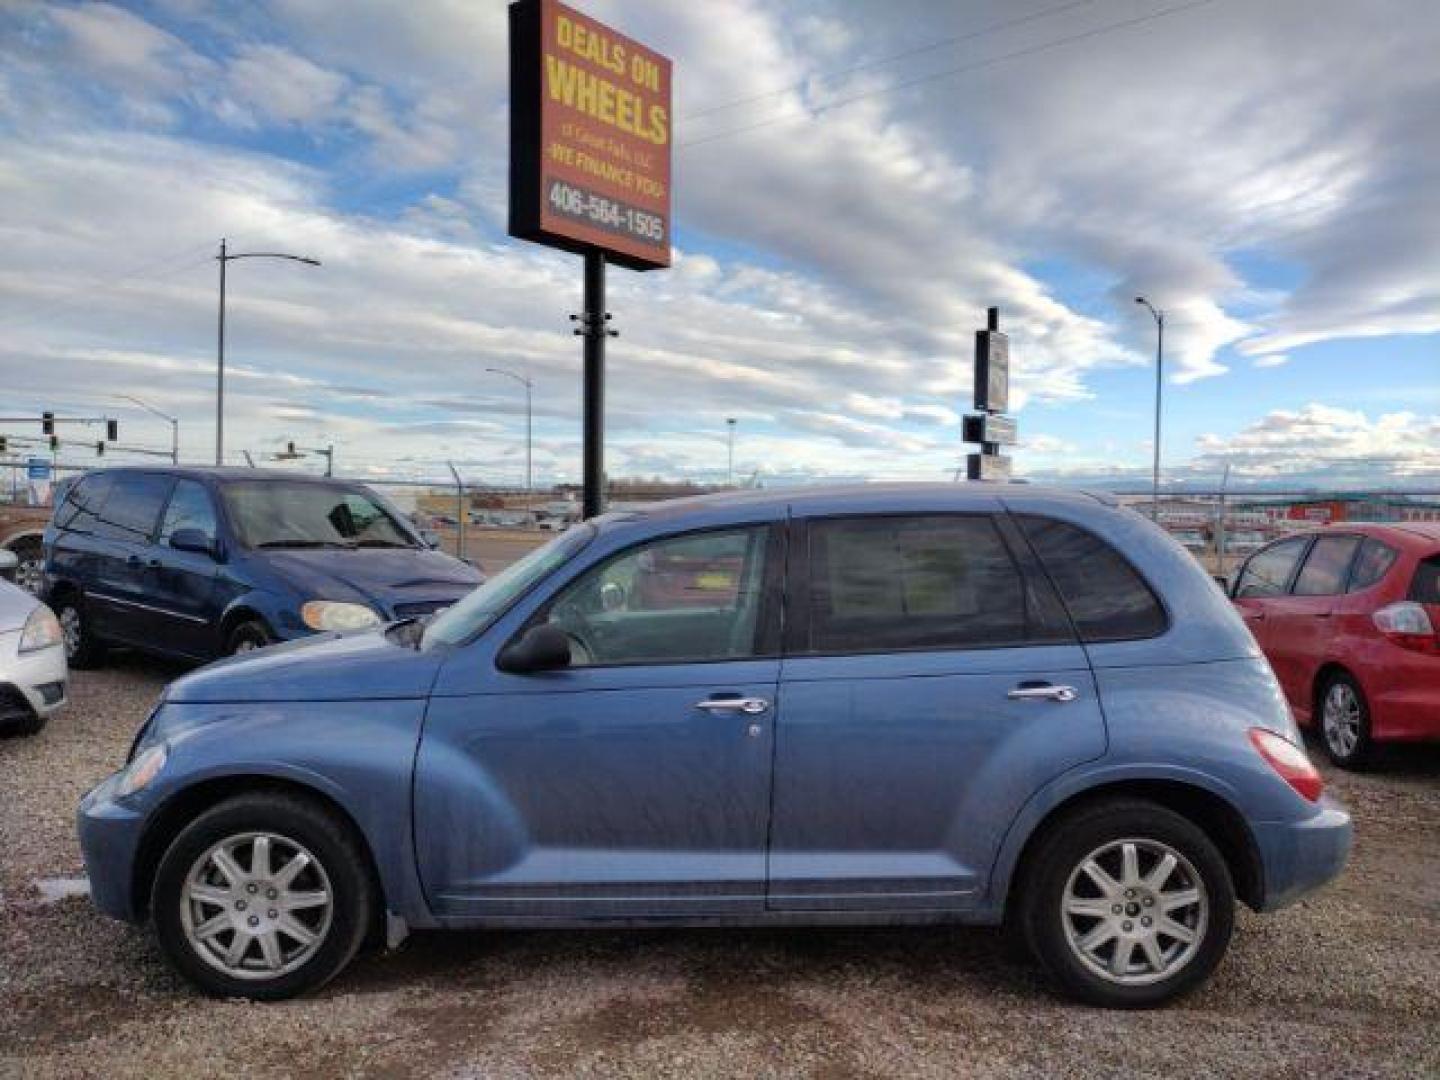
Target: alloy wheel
x: 1340, y: 719
x: 1135, y: 911
x: 29, y: 575
x: 72, y: 630
x: 256, y: 905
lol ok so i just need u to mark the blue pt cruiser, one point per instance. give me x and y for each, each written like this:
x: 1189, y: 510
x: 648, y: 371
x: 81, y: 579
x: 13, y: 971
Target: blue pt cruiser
x: 877, y: 705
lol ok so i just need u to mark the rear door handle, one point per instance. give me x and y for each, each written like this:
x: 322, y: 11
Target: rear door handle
x: 750, y: 706
x: 1045, y: 692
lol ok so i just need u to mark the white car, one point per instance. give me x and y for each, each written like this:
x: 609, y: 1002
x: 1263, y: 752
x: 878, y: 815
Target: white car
x: 33, y: 674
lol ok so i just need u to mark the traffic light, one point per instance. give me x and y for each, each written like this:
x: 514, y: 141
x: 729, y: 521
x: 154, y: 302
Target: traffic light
x: 290, y: 448
x: 112, y: 430
x: 99, y: 447
x: 47, y: 423
x: 4, y: 446
x: 54, y: 444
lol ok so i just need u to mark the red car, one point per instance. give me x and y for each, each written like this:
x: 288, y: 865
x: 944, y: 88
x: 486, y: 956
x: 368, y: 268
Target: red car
x: 1348, y: 617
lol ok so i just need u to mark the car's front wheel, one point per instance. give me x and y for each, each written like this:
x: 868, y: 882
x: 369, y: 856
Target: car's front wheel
x: 1127, y: 904
x: 82, y: 648
x: 250, y: 635
x: 263, y: 896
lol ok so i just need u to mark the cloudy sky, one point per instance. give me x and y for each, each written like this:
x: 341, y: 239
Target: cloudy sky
x: 855, y: 183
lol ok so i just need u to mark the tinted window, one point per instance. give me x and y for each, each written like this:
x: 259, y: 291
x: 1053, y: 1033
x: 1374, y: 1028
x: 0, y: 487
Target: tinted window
x: 83, y: 500
x: 1372, y: 564
x: 941, y: 582
x: 190, y: 508
x: 1425, y: 587
x: 1268, y: 572
x: 1326, y: 566
x: 685, y: 598
x: 1107, y: 597
x: 133, y: 506
x: 283, y: 513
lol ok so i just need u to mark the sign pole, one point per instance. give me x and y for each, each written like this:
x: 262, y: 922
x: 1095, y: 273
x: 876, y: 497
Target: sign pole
x: 595, y: 331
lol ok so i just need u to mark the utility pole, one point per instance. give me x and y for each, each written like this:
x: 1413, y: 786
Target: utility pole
x: 593, y: 329
x: 224, y: 258
x: 730, y: 467
x: 1159, y: 389
x: 525, y: 381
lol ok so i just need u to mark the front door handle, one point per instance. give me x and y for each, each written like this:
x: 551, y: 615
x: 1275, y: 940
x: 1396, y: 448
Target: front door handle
x: 1045, y: 692
x: 750, y: 706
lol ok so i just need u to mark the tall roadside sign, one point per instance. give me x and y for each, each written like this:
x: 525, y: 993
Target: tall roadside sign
x: 989, y: 426
x: 590, y: 140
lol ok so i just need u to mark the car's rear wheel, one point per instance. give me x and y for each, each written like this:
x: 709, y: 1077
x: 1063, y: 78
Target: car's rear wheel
x: 1345, y: 722
x: 30, y: 574
x: 82, y: 648
x: 264, y: 896
x: 250, y: 635
x: 1127, y: 904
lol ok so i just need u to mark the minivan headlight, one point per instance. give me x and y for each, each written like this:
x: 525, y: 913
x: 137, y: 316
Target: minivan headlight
x: 337, y: 615
x: 142, y: 770
x: 42, y: 630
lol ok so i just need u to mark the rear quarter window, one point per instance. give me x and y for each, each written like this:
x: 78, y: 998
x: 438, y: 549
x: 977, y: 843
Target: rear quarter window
x: 1107, y: 598
x: 1425, y: 585
x: 1372, y: 564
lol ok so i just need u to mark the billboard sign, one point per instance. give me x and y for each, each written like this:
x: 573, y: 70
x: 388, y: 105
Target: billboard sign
x: 990, y: 428
x: 590, y: 137
x: 992, y: 371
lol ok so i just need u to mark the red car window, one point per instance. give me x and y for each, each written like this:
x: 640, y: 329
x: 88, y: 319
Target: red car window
x: 1326, y: 566
x: 1372, y: 564
x: 1425, y: 586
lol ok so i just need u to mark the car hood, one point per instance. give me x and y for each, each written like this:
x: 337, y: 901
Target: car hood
x: 366, y: 666
x: 15, y: 607
x: 382, y: 577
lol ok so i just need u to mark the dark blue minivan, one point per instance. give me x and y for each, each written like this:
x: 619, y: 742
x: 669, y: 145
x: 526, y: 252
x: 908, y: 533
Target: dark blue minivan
x: 204, y: 562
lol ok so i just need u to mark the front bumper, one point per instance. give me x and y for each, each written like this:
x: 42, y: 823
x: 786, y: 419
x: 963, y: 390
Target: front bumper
x: 40, y: 678
x: 1300, y: 856
x: 110, y: 833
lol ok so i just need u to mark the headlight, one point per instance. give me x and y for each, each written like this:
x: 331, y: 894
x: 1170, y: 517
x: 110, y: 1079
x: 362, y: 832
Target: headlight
x: 335, y: 615
x: 42, y: 630
x: 142, y: 770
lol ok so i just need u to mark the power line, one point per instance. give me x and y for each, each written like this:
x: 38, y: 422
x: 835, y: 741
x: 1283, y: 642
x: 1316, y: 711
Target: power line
x: 906, y: 84
x: 984, y: 31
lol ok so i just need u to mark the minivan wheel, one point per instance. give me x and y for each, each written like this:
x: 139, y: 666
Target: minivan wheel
x: 1127, y: 904
x: 264, y: 896
x: 1345, y: 722
x: 248, y: 636
x: 30, y: 574
x: 82, y: 648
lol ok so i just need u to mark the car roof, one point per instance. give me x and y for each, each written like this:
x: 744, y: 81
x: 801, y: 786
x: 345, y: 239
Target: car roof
x: 223, y: 473
x: 941, y: 496
x: 1406, y: 534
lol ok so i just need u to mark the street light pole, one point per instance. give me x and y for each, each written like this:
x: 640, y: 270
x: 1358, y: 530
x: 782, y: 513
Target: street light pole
x: 730, y: 467
x: 225, y: 257
x: 174, y: 425
x: 1159, y: 316
x: 529, y: 385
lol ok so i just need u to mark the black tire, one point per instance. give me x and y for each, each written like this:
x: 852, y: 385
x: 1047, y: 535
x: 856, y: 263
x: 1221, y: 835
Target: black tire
x: 331, y: 844
x: 82, y: 648
x: 29, y: 575
x: 248, y: 635
x: 1059, y: 854
x: 1352, y: 748
x: 31, y: 724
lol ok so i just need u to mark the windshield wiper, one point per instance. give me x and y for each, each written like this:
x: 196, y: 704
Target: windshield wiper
x: 305, y: 544
x: 383, y: 544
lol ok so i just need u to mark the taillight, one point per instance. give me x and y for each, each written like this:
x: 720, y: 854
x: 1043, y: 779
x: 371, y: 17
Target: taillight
x: 1289, y: 761
x: 1408, y: 625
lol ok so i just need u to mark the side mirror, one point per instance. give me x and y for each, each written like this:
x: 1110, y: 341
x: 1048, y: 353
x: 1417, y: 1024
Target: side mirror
x: 430, y: 538
x: 192, y: 540
x: 541, y: 648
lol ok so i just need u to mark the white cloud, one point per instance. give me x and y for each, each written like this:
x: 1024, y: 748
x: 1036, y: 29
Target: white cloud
x: 282, y: 86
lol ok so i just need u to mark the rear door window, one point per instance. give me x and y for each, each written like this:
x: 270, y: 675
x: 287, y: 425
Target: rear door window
x: 1327, y: 566
x: 84, y: 505
x: 1107, y: 597
x: 1425, y: 586
x: 133, y: 507
x: 1372, y: 564
x: 1268, y: 572
x: 891, y: 584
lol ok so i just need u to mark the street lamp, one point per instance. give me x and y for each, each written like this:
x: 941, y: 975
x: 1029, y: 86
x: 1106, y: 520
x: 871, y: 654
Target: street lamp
x: 223, y: 258
x: 730, y: 468
x: 1159, y: 370
x: 529, y: 385
x: 174, y: 425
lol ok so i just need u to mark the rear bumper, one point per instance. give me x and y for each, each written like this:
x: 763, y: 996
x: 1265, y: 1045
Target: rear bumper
x: 1299, y: 856
x: 109, y: 840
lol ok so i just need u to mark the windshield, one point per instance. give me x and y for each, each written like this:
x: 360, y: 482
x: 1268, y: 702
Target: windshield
x: 281, y: 514
x: 487, y: 603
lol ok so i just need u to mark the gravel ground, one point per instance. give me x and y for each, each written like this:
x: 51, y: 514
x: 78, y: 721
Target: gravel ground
x: 1345, y: 983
